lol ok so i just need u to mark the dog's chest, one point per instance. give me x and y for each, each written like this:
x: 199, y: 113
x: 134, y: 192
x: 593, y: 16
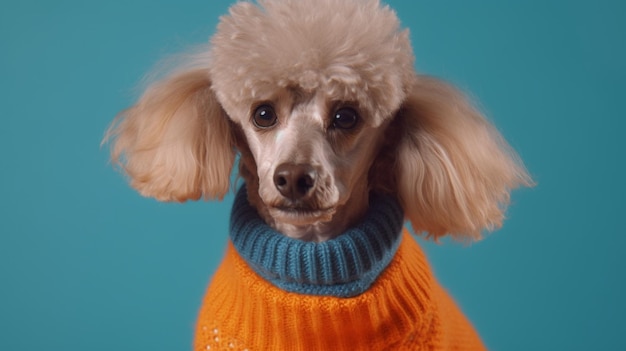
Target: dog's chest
x: 403, y: 309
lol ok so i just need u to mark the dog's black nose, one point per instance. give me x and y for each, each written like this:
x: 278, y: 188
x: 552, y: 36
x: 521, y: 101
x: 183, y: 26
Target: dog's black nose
x: 294, y: 181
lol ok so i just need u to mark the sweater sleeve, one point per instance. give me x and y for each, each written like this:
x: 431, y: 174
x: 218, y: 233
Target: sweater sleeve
x: 455, y: 330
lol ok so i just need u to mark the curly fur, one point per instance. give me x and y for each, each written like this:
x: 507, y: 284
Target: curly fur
x: 420, y: 138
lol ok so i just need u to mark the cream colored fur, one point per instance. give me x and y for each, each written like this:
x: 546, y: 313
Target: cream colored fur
x: 417, y: 137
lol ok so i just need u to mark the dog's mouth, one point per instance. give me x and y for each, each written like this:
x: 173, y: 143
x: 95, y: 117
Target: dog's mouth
x: 296, y: 215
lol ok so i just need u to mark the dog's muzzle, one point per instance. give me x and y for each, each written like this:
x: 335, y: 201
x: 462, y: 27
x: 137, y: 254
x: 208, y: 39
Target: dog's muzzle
x: 299, y: 186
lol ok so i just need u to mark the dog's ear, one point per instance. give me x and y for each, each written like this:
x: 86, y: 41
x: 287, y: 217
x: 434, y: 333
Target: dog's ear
x: 175, y: 144
x: 454, y: 171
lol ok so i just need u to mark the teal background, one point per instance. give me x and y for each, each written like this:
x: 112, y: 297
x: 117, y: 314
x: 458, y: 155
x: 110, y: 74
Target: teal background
x: 88, y: 264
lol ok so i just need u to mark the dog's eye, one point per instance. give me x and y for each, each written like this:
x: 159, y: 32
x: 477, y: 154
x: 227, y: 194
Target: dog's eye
x: 264, y: 116
x: 345, y: 118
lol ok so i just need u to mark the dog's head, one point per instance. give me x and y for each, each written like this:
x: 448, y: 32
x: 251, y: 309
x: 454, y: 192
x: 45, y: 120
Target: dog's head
x: 321, y: 100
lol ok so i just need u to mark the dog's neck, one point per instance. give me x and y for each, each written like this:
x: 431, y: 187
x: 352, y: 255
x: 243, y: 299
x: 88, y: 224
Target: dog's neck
x: 318, y: 232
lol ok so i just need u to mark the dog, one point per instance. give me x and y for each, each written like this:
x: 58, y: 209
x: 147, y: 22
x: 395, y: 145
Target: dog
x: 339, y: 141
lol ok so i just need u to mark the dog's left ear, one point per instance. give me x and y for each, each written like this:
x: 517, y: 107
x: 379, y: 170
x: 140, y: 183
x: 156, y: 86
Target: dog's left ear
x: 454, y: 171
x: 175, y: 143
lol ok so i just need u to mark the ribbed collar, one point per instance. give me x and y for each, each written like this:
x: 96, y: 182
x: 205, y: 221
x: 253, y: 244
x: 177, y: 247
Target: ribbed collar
x: 345, y: 266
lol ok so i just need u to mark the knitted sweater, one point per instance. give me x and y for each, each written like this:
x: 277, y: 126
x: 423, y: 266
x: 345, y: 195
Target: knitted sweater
x: 368, y: 289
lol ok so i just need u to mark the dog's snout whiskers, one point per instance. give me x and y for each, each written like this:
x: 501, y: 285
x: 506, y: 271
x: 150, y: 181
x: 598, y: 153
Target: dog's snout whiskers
x: 295, y: 181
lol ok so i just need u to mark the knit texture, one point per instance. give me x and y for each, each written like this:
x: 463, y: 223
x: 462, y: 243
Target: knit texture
x: 404, y: 308
x: 345, y: 266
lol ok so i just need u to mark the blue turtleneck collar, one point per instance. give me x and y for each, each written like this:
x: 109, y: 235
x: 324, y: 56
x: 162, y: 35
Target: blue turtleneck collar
x: 345, y: 266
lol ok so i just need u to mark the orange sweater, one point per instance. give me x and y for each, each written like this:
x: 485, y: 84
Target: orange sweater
x: 405, y: 309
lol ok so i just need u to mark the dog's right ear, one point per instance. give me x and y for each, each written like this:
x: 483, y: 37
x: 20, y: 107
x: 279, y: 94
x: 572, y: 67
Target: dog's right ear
x: 175, y: 144
x: 454, y: 170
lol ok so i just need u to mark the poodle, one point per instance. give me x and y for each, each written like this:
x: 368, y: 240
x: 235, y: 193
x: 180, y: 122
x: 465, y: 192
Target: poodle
x: 339, y: 141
